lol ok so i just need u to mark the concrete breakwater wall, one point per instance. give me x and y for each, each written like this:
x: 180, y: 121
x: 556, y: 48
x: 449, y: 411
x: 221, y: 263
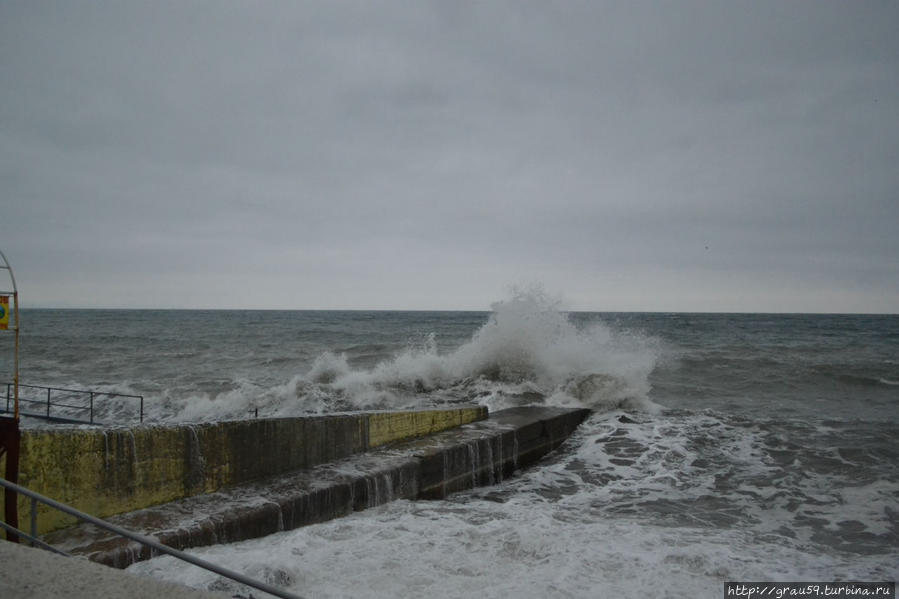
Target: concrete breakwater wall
x: 480, y: 453
x: 112, y: 471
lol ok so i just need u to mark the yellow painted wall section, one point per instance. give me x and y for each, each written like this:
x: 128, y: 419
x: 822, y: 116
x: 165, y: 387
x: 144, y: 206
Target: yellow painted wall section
x: 107, y: 472
x: 100, y: 472
x: 387, y: 427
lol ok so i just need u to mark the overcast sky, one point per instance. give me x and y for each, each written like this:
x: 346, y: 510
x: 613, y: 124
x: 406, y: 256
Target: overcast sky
x: 673, y: 156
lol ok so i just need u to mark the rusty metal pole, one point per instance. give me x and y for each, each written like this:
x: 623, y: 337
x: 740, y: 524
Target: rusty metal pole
x: 15, y: 300
x: 15, y: 380
x: 10, y: 435
x: 9, y: 444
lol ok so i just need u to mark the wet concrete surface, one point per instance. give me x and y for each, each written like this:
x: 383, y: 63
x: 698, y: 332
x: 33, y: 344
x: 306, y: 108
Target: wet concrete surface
x: 476, y: 454
x: 27, y: 573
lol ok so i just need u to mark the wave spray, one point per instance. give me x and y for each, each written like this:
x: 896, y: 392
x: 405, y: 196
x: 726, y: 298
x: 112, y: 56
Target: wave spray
x: 528, y: 352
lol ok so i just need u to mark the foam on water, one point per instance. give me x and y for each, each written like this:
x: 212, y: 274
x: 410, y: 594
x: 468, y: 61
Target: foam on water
x: 634, y: 505
x: 207, y: 365
x: 775, y: 458
x: 527, y: 352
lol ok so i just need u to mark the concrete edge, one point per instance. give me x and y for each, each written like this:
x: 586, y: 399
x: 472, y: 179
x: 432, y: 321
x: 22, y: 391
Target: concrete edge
x: 37, y: 574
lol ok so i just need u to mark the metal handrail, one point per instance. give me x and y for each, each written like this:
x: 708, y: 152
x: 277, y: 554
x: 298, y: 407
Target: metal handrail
x: 48, y: 403
x: 34, y: 540
x: 152, y: 544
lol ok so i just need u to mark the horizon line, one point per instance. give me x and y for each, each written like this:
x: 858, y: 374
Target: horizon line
x: 482, y: 311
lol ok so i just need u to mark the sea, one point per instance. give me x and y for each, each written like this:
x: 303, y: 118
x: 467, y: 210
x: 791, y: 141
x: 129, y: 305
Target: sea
x: 722, y: 447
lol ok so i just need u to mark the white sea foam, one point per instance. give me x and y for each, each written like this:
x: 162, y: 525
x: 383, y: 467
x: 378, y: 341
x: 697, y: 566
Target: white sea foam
x: 528, y: 352
x: 408, y: 549
x: 760, y: 469
x: 633, y: 506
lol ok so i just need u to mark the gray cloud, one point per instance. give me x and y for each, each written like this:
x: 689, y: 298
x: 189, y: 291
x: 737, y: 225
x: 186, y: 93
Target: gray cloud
x: 687, y: 156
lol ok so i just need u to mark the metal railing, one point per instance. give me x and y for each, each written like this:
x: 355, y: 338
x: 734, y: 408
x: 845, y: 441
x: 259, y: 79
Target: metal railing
x: 152, y: 544
x: 41, y: 408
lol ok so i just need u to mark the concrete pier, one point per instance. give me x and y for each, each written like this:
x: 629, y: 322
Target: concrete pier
x: 480, y: 453
x: 104, y: 472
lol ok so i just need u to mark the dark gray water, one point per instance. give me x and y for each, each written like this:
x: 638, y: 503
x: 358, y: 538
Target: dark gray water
x: 723, y: 447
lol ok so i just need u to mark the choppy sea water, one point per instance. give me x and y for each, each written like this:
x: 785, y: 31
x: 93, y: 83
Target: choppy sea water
x: 723, y: 447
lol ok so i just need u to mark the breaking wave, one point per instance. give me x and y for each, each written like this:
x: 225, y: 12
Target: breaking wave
x: 528, y: 352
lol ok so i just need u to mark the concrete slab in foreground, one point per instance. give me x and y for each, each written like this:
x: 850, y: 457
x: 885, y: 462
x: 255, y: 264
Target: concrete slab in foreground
x: 480, y: 453
x: 27, y: 573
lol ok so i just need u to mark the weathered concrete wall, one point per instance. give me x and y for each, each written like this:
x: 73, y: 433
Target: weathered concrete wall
x: 106, y: 472
x: 517, y: 437
x: 481, y: 453
x: 387, y: 427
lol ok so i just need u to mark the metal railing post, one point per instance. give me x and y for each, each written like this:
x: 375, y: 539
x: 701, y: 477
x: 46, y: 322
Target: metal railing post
x: 142, y: 409
x: 33, y: 519
x: 48, y: 402
x: 92, y: 407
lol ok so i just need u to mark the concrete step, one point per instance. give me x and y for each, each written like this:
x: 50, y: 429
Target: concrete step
x: 476, y: 454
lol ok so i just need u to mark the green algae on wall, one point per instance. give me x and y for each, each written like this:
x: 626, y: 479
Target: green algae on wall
x: 387, y: 427
x: 107, y: 472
